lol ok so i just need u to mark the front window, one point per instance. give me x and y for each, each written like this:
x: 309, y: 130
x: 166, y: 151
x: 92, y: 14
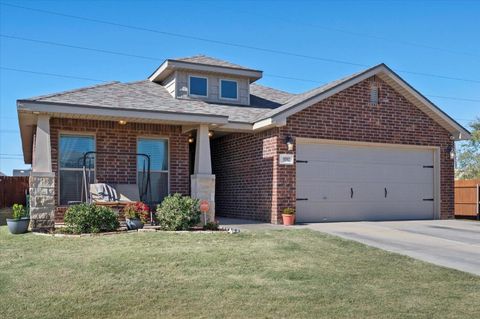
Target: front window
x: 71, y: 151
x: 157, y: 149
x: 198, y: 86
x: 228, y: 89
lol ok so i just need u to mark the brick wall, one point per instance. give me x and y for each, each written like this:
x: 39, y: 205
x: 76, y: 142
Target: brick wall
x: 245, y: 177
x: 111, y: 136
x: 345, y: 116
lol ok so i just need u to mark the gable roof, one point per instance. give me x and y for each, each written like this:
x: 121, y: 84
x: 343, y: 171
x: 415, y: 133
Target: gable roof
x: 304, y: 100
x: 268, y: 106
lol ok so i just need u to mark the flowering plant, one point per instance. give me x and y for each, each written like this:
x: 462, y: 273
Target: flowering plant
x: 137, y: 210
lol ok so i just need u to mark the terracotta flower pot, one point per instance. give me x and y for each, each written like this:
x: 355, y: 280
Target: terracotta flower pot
x: 288, y: 219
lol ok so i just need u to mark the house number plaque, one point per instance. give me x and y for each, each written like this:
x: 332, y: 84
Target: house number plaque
x: 286, y: 159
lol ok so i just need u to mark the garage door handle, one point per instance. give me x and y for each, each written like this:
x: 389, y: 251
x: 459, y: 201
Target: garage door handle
x: 302, y: 198
x: 351, y: 192
x: 386, y: 192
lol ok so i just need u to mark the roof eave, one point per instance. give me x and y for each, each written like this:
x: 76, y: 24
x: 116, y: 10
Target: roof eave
x: 96, y: 112
x: 167, y: 67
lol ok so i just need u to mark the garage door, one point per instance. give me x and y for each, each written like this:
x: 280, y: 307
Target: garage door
x: 353, y: 183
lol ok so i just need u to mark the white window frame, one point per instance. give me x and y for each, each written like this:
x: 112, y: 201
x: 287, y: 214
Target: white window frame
x: 168, y: 158
x: 59, y: 166
x: 220, y: 90
x: 200, y: 77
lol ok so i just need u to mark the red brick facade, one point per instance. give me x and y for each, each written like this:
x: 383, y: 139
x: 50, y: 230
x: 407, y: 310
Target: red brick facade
x: 251, y: 184
x: 111, y: 136
x: 245, y: 175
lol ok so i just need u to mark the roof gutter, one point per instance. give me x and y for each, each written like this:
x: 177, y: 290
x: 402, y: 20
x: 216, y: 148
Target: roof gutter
x: 87, y: 111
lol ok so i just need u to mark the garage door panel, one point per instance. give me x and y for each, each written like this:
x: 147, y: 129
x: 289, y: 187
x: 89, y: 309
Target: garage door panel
x: 349, y: 211
x: 357, y: 172
x: 345, y: 153
x: 387, y: 183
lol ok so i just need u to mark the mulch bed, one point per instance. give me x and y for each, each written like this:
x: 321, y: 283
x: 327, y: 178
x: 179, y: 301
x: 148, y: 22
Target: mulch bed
x: 123, y: 230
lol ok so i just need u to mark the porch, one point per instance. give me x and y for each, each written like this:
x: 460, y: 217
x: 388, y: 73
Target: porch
x: 178, y: 163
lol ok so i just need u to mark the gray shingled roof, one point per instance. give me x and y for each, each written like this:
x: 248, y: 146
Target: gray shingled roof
x: 265, y: 102
x: 203, y: 59
x: 300, y: 98
x: 147, y: 95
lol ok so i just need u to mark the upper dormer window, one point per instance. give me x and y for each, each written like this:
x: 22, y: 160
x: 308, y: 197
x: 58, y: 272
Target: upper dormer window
x: 198, y: 86
x: 228, y: 89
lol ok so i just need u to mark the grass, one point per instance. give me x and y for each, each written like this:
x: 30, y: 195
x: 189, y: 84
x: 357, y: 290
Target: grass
x: 264, y: 274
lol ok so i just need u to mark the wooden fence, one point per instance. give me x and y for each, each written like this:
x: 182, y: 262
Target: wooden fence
x: 13, y: 190
x: 467, y: 198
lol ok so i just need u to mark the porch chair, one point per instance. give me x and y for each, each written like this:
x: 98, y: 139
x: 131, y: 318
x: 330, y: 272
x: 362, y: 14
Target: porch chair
x: 114, y: 195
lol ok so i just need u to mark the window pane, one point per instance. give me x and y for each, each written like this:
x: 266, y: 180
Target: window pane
x: 198, y: 86
x: 229, y: 89
x: 159, y: 183
x: 72, y: 149
x: 157, y: 149
x: 71, y: 185
x: 158, y: 152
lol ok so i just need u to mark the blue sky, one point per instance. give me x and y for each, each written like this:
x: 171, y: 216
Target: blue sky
x: 433, y: 37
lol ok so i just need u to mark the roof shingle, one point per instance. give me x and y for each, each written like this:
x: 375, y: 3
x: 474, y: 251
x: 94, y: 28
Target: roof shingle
x: 150, y: 96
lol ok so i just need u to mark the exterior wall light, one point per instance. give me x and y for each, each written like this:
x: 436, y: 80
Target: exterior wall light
x: 122, y: 122
x: 289, y: 142
x: 191, y: 140
x: 451, y: 151
x: 210, y: 133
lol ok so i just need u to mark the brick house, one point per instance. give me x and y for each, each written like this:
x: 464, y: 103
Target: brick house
x: 365, y: 147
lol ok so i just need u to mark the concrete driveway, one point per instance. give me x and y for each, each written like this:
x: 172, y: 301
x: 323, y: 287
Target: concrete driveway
x: 449, y: 243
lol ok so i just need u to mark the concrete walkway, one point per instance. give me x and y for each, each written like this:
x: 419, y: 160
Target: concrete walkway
x: 449, y: 243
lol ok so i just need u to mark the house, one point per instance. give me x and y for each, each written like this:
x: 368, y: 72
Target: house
x: 365, y: 147
x: 21, y: 172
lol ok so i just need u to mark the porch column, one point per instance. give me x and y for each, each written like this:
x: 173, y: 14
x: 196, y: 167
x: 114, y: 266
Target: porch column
x: 42, y: 179
x: 202, y: 180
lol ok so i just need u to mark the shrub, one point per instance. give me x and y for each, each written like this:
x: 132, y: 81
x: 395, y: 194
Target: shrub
x: 178, y: 212
x: 211, y: 225
x: 19, y: 211
x: 89, y: 218
x: 289, y: 211
x: 137, y: 210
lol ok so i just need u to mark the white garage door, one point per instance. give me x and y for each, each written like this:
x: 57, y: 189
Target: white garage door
x: 352, y: 183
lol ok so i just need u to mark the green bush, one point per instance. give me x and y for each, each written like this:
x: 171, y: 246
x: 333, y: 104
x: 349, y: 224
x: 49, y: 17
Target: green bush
x: 89, y: 218
x: 178, y: 212
x: 19, y: 211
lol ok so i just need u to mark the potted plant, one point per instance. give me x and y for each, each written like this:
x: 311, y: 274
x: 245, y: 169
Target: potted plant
x: 20, y: 221
x: 136, y: 214
x: 288, y: 216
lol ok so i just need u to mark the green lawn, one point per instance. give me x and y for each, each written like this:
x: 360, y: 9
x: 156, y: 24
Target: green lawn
x: 265, y: 274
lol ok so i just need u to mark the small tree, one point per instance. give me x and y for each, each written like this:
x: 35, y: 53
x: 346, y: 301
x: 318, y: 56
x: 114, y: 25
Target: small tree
x: 468, y: 155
